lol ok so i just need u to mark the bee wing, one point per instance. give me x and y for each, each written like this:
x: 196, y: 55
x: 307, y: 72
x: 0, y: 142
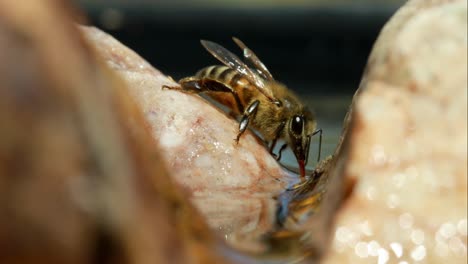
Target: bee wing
x: 231, y: 60
x: 252, y: 59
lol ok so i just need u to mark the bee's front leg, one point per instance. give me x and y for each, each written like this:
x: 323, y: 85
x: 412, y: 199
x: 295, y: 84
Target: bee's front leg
x: 283, y: 147
x: 249, y: 113
x: 273, y: 143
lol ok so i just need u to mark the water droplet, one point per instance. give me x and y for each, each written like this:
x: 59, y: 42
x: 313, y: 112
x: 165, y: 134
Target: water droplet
x: 371, y: 193
x: 442, y: 249
x: 406, y: 220
x: 361, y: 249
x: 383, y: 256
x: 393, y: 201
x: 455, y: 244
x: 338, y: 246
x: 346, y: 236
x: 412, y: 172
x: 418, y: 253
x: 447, y: 230
x: 378, y: 155
x: 462, y: 227
x: 399, y: 179
x: 397, y: 249
x: 417, y: 236
x: 373, y: 248
x: 342, y: 234
x: 365, y: 228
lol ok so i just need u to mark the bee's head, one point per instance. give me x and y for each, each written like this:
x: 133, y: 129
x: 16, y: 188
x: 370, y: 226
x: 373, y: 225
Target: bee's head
x: 300, y: 128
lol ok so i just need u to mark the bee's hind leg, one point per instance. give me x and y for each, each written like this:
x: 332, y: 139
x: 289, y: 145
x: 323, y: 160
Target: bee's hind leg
x: 188, y: 85
x: 194, y: 85
x: 249, y: 112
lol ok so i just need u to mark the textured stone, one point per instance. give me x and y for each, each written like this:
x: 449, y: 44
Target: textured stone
x: 407, y: 144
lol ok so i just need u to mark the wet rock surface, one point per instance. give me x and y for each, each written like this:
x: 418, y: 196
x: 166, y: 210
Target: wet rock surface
x: 234, y: 185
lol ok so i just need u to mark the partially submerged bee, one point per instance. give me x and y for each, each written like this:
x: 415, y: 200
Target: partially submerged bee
x: 267, y: 106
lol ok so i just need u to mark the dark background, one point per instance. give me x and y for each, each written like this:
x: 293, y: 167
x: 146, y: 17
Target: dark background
x: 318, y: 48
x: 312, y: 46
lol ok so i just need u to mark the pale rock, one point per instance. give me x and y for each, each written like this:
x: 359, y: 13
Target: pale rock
x: 407, y: 144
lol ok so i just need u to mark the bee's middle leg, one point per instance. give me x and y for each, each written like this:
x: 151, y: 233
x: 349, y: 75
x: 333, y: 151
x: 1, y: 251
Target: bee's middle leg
x: 249, y: 112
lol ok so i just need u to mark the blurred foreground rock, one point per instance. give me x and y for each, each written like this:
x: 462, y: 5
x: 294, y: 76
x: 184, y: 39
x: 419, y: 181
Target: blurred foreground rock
x: 81, y: 179
x: 407, y: 144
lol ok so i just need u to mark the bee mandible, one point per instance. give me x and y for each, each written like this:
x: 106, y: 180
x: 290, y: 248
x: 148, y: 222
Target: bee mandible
x: 262, y: 103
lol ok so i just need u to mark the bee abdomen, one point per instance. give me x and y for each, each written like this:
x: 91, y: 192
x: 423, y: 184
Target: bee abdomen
x: 222, y: 74
x: 205, y: 72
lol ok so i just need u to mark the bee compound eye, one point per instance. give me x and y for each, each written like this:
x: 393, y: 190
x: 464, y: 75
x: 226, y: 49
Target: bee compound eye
x: 297, y: 124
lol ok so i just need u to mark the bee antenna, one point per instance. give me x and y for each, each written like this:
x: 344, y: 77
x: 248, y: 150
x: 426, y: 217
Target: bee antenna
x: 318, y: 131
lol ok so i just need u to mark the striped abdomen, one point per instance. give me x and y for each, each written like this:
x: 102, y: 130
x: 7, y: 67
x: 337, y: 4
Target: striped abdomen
x: 225, y: 75
x: 243, y: 91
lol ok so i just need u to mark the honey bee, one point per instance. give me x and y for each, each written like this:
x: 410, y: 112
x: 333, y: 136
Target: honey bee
x: 262, y: 103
